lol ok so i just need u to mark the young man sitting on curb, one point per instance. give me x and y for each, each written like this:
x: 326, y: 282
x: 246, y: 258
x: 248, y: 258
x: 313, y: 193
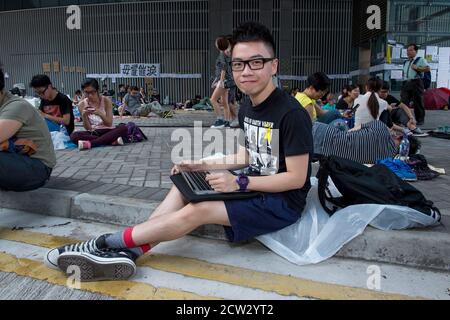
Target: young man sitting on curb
x: 272, y: 120
x: 26, y: 149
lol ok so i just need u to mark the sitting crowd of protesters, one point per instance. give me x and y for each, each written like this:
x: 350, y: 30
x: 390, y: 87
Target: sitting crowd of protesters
x: 364, y: 127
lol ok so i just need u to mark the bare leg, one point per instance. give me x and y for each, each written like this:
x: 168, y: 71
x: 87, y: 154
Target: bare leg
x: 175, y: 225
x: 174, y: 201
x: 233, y: 113
x: 218, y: 92
x: 226, y: 106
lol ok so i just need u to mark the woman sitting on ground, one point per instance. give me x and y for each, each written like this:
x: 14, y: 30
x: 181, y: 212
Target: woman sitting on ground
x: 349, y: 94
x: 97, y: 115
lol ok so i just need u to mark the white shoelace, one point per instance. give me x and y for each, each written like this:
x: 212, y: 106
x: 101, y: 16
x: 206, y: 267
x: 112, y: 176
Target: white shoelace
x: 88, y: 246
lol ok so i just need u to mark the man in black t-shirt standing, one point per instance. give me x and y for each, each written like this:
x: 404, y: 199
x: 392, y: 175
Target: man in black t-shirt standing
x: 55, y: 108
x: 276, y: 150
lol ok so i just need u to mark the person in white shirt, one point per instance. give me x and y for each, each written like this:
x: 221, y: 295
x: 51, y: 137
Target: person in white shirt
x: 371, y: 106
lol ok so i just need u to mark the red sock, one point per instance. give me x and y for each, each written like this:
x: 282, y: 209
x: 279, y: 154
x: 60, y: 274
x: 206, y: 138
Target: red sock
x: 128, y: 240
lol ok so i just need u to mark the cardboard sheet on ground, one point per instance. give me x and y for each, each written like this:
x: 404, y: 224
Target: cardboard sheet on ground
x: 317, y: 237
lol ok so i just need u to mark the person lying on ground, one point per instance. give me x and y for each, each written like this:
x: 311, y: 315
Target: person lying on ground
x: 365, y: 143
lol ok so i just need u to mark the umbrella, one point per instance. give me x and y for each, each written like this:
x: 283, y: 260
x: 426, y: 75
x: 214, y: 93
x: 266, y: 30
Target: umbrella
x: 436, y: 99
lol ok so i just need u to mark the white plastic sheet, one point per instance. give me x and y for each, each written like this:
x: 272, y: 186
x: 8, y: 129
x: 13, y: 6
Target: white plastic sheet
x: 59, y: 139
x: 317, y: 237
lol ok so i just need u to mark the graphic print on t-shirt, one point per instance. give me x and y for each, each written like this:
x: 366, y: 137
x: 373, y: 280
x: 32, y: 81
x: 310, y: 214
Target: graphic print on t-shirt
x: 53, y: 111
x: 262, y: 143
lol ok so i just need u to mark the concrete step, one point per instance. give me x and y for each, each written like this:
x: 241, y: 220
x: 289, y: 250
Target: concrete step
x: 425, y: 248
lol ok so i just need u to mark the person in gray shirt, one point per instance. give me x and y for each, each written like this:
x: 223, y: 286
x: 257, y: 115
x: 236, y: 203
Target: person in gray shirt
x: 132, y: 103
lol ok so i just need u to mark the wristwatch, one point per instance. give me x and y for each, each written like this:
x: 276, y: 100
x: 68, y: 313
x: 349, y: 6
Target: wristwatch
x: 243, y: 181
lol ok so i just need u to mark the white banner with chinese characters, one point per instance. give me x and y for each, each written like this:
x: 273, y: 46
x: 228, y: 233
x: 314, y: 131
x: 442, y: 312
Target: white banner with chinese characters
x: 140, y: 70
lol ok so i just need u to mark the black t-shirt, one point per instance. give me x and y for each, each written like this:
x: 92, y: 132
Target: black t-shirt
x: 392, y: 100
x: 277, y: 128
x: 342, y: 105
x: 58, y: 107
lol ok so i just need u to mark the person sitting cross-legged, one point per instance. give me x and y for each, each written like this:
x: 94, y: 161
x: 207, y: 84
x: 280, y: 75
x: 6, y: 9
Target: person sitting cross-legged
x: 96, y: 112
x: 279, y: 163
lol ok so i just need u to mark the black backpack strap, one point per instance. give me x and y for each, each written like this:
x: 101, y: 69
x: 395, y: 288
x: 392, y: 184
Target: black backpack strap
x: 323, y: 190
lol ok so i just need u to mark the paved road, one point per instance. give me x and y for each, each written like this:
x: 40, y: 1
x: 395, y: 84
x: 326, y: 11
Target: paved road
x: 193, y: 268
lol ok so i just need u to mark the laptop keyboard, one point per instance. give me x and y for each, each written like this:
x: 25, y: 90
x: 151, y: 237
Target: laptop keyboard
x: 197, y: 180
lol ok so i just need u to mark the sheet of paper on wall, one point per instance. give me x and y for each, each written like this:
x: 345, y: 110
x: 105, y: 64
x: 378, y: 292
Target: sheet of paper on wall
x: 433, y: 75
x: 434, y: 66
x: 442, y: 78
x: 405, y: 53
x: 396, y: 74
x: 421, y: 53
x: 444, y: 55
x: 396, y: 53
x: 433, y: 52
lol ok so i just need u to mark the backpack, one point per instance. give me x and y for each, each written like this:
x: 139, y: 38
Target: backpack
x: 425, y: 76
x: 134, y: 134
x: 359, y: 184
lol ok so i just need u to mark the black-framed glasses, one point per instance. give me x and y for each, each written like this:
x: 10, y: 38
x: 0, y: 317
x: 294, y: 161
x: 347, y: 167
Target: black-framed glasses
x: 41, y: 93
x: 253, y: 64
x: 89, y: 93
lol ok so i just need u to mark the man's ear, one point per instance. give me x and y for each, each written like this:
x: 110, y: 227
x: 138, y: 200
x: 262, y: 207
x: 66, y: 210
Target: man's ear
x: 275, y: 64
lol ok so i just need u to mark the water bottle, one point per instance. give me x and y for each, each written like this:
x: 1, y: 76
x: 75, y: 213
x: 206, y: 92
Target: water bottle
x: 63, y: 129
x: 166, y: 100
x: 404, y: 148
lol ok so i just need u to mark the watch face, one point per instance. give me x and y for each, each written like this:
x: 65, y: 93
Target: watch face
x: 243, y: 179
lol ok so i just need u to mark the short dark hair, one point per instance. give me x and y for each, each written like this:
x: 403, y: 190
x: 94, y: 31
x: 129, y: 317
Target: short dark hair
x: 253, y: 31
x: 385, y: 86
x: 319, y: 81
x: 90, y: 82
x: 348, y: 89
x: 78, y: 91
x: 222, y: 43
x: 40, y: 80
x: 2, y: 79
x: 416, y: 47
x: 134, y: 88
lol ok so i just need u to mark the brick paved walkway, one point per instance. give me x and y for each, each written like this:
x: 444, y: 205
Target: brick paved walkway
x: 142, y: 170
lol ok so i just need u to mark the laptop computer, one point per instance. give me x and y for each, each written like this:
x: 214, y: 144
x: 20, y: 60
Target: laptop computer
x: 195, y: 188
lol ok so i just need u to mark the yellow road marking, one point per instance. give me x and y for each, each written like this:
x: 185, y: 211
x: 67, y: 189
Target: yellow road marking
x: 126, y: 290
x: 280, y: 284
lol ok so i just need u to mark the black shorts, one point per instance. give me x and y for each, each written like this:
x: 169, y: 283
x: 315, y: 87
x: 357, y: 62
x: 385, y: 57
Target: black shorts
x: 253, y: 217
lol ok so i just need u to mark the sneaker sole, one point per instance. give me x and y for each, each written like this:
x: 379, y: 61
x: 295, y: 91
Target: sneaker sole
x: 97, y: 269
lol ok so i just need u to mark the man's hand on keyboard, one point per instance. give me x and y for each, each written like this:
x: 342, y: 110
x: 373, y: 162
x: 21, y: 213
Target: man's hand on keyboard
x: 188, y: 165
x: 222, y: 182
